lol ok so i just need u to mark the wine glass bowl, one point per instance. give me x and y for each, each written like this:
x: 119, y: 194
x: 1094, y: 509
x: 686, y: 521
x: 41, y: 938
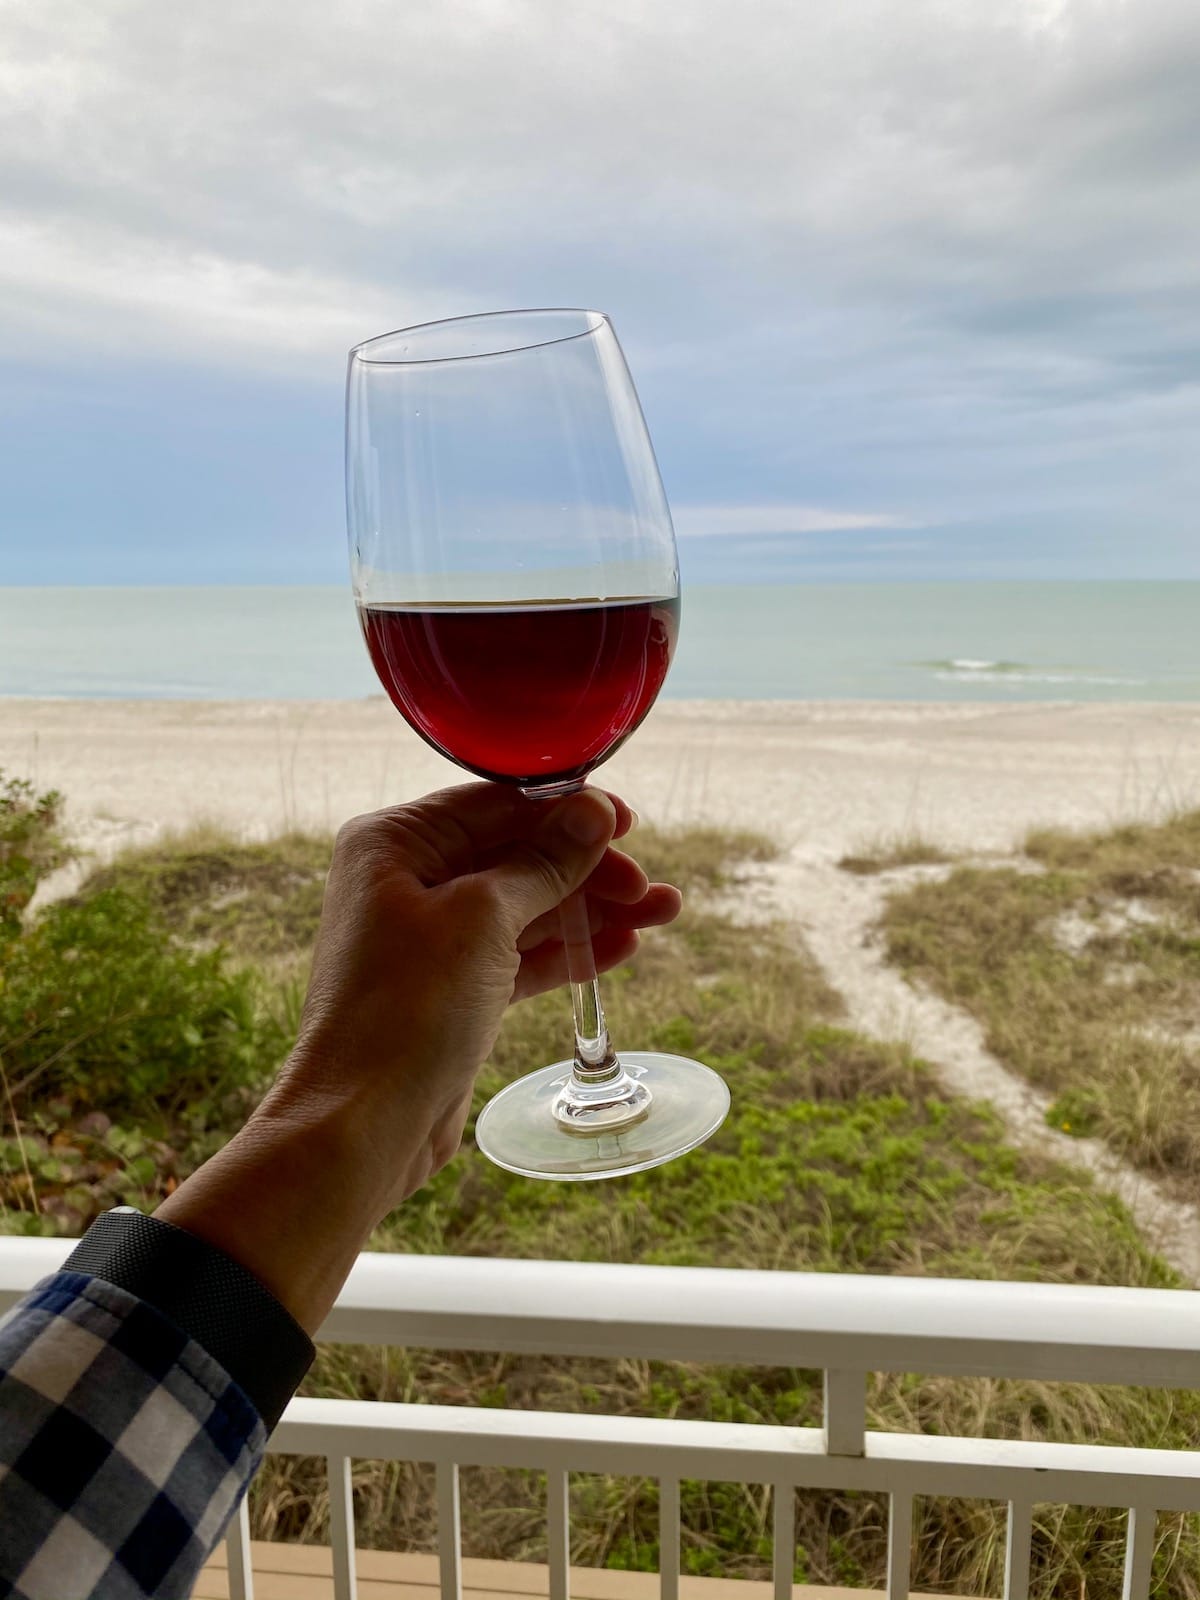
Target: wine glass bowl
x: 515, y: 572
x: 536, y: 695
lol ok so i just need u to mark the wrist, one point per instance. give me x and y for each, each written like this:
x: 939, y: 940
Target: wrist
x: 384, y: 1124
x: 293, y: 1197
x: 358, y: 1152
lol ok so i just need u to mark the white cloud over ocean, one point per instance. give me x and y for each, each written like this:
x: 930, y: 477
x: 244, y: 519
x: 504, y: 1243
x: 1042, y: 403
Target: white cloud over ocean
x: 712, y: 522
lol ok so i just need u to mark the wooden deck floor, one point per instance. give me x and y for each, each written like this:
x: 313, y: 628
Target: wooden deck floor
x: 304, y: 1572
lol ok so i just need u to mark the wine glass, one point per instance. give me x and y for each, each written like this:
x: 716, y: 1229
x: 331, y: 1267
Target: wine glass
x: 516, y: 578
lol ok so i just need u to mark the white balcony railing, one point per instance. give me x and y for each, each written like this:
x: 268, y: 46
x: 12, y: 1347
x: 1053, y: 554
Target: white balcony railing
x: 845, y: 1326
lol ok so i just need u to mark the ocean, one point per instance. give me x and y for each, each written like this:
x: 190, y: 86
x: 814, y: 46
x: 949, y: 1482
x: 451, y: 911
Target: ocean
x: 850, y: 641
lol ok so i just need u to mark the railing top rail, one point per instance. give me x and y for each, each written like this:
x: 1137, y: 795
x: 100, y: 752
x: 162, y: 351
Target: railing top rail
x: 1000, y: 1469
x: 832, y: 1321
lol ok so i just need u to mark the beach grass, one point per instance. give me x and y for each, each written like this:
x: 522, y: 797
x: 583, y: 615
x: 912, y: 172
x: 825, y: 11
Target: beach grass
x: 1085, y: 973
x: 257, y: 900
x: 887, y: 852
x: 840, y: 1154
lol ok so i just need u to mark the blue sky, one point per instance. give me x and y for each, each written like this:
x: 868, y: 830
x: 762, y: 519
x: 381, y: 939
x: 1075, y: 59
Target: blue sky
x: 909, y: 290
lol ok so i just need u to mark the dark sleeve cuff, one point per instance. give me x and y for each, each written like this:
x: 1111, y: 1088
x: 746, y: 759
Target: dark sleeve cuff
x: 208, y: 1295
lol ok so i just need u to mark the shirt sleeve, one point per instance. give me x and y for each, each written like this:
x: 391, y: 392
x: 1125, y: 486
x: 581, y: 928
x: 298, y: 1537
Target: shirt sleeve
x: 125, y: 1443
x: 124, y: 1447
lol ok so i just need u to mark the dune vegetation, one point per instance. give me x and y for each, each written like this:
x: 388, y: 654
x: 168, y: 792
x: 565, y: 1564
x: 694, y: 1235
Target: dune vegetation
x: 141, y: 1017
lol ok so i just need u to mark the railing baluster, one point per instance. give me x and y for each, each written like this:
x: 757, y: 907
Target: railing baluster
x: 237, y: 1546
x: 1139, y: 1552
x: 558, y: 1533
x: 1016, y: 1550
x: 449, y: 1531
x: 668, y: 1539
x: 783, y: 1556
x: 899, y: 1559
x: 341, y: 1527
x: 845, y: 1413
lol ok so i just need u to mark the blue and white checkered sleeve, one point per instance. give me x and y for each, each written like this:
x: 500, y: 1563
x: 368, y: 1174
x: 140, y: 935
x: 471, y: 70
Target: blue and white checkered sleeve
x: 124, y: 1447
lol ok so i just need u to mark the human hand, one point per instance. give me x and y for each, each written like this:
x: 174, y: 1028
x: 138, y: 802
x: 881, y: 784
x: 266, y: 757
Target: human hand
x: 437, y: 916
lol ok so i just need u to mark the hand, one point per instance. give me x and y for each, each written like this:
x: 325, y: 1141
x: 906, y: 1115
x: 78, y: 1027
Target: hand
x: 437, y: 916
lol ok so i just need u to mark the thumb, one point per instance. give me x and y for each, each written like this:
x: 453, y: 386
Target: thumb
x: 536, y: 875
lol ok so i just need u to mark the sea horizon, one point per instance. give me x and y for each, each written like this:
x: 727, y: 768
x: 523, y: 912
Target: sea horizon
x: 1005, y: 640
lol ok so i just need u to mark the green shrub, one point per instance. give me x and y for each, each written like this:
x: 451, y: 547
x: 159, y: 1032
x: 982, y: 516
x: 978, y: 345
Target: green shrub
x: 100, y: 1006
x: 30, y: 846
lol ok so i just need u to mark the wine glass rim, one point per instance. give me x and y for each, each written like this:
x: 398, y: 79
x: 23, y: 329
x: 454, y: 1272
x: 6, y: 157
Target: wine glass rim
x: 598, y: 320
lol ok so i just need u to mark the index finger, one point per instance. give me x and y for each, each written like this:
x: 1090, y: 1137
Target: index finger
x: 471, y: 819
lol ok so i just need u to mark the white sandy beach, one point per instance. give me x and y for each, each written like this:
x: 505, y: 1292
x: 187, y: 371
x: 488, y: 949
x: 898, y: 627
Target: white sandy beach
x: 823, y: 778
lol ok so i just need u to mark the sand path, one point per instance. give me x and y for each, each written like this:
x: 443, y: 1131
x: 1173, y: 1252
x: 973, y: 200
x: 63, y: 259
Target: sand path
x: 883, y: 1005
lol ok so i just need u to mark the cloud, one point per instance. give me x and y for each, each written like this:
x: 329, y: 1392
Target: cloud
x: 707, y: 522
x: 948, y: 160
x: 937, y: 259
x: 141, y: 292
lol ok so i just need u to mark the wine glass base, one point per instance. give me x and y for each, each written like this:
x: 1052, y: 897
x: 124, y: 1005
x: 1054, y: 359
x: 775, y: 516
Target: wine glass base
x: 517, y: 1129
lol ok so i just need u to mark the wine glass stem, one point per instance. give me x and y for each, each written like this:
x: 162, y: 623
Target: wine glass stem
x: 599, y: 1097
x: 595, y: 1059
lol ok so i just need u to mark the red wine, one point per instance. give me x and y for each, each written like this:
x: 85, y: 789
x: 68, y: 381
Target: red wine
x: 540, y: 693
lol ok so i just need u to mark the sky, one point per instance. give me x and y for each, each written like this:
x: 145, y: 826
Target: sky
x: 909, y: 289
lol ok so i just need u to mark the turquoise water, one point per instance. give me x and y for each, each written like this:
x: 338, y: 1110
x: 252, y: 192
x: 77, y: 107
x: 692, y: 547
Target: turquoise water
x: 920, y: 641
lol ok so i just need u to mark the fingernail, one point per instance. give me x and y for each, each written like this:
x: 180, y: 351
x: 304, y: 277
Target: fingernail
x: 634, y: 818
x: 586, y: 818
